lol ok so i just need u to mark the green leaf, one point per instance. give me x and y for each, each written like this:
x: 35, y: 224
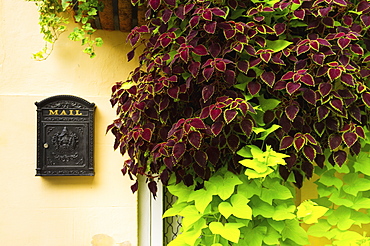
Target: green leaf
x: 361, y: 202
x: 240, y: 207
x: 203, y: 197
x: 191, y: 215
x: 362, y: 163
x: 319, y: 229
x: 268, y: 131
x: 249, y: 188
x: 277, y: 45
x: 294, y: 232
x: 262, y: 208
x: 229, y: 231
x: 274, y: 190
x: 268, y: 104
x: 225, y: 209
x: 339, y: 199
x: 225, y: 185
x: 258, y: 232
x: 309, y: 211
x: 284, y: 212
x: 328, y: 178
x: 175, y: 209
x: 277, y: 225
x: 272, y: 237
x: 245, y: 152
x: 355, y: 184
x: 254, y: 175
x: 341, y: 217
x: 181, y: 191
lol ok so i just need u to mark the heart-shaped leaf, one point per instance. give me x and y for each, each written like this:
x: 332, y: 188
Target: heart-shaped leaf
x: 200, y: 50
x: 210, y: 27
x: 291, y: 112
x: 207, y: 92
x: 299, y: 143
x: 233, y: 142
x: 230, y: 115
x: 279, y: 28
x: 340, y: 157
x: 246, y: 125
x: 253, y: 87
x: 349, y: 138
x: 366, y: 98
x: 334, y: 73
x: 310, y: 96
x: 195, y: 139
x: 292, y: 87
x: 243, y: 66
x: 322, y: 112
x: 178, y: 150
x: 216, y: 127
x: 207, y: 72
x: 201, y: 158
x: 268, y: 78
x: 286, y: 142
x: 215, y: 113
x: 335, y: 141
x: 197, y: 123
x: 337, y: 104
x: 343, y: 42
x: 347, y: 79
x: 308, y: 79
x: 309, y: 152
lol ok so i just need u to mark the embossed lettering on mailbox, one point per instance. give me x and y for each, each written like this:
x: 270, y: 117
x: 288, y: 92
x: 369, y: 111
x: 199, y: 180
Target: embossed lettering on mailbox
x: 65, y: 132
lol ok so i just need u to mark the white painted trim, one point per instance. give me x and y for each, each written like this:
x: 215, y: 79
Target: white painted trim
x: 150, y: 215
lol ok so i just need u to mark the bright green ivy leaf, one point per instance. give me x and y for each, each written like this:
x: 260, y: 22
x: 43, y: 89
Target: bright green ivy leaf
x: 202, y: 198
x: 328, y: 178
x: 268, y: 131
x: 355, y: 184
x: 175, y: 209
x: 294, y: 232
x: 262, y: 208
x: 229, y: 231
x: 272, y: 237
x: 250, y: 188
x: 181, y: 191
x: 361, y: 202
x: 362, y: 163
x: 274, y: 190
x: 240, y: 206
x: 258, y: 232
x: 310, y: 211
x: 225, y: 185
x: 360, y: 218
x: 245, y: 152
x: 319, y: 229
x: 339, y: 199
x: 225, y: 209
x: 277, y: 225
x: 346, y: 238
x: 268, y: 104
x: 277, y: 45
x: 191, y: 215
x: 253, y: 174
x: 341, y: 217
x: 259, y: 167
x: 284, y: 212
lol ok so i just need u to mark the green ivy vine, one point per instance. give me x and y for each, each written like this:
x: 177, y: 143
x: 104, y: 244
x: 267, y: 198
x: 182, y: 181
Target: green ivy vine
x: 55, y: 15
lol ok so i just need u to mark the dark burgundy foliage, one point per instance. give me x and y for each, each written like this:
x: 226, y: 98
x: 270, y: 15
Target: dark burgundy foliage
x: 183, y: 115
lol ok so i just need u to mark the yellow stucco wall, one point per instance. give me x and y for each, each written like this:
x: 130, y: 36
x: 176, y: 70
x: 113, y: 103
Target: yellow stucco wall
x: 58, y: 211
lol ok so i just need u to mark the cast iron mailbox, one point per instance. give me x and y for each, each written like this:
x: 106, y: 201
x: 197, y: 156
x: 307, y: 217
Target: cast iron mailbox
x: 65, y: 136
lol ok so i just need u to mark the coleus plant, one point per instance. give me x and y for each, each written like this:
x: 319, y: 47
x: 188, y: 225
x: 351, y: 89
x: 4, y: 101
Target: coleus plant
x: 207, y: 66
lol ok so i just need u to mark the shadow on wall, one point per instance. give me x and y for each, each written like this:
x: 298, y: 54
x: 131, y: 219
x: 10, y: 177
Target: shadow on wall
x: 105, y: 240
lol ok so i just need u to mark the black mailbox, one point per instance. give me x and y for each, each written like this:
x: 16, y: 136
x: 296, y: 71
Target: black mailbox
x: 65, y: 136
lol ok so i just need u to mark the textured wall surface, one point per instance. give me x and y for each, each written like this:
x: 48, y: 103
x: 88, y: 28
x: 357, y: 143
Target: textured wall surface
x: 59, y: 211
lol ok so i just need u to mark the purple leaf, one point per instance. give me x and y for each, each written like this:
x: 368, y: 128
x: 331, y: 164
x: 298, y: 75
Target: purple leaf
x: 229, y: 33
x: 215, y: 113
x: 325, y: 89
x: 308, y: 79
x: 173, y: 92
x: 207, y: 72
x: 154, y: 4
x: 288, y: 75
x: 130, y: 55
x: 194, y: 21
x: 229, y: 115
x: 243, y: 66
x: 207, y: 15
x: 310, y: 96
x: 246, y: 125
x: 319, y: 58
x: 178, y: 150
x: 165, y: 41
x: 207, y: 92
x: 349, y: 138
x: 291, y: 112
x: 360, y: 132
x: 322, y: 112
x: 334, y: 73
x: 302, y: 49
x: 200, y: 50
x: 324, y: 11
x: 253, y: 87
x: 299, y: 13
x: 170, y: 2
x: 221, y: 66
x: 147, y: 134
x: 135, y: 187
x: 286, y: 142
x: 348, y: 20
x: 292, y: 87
x: 184, y: 54
x: 299, y: 143
x: 194, y: 68
x: 343, y: 42
x: 233, y: 142
x: 218, y: 12
x: 205, y: 112
x: 309, y: 152
x: 266, y: 57
x: 279, y: 28
x: 230, y: 77
x: 357, y: 49
x: 214, y: 49
x: 213, y: 154
x: 365, y: 20
x: 201, y: 158
x: 366, y: 98
x: 340, y: 157
x: 254, y: 62
x: 362, y: 6
x: 328, y: 21
x: 337, y: 104
x: 268, y: 78
x: 334, y: 141
x: 197, y: 123
x: 216, y: 127
x: 210, y: 27
x: 195, y: 139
